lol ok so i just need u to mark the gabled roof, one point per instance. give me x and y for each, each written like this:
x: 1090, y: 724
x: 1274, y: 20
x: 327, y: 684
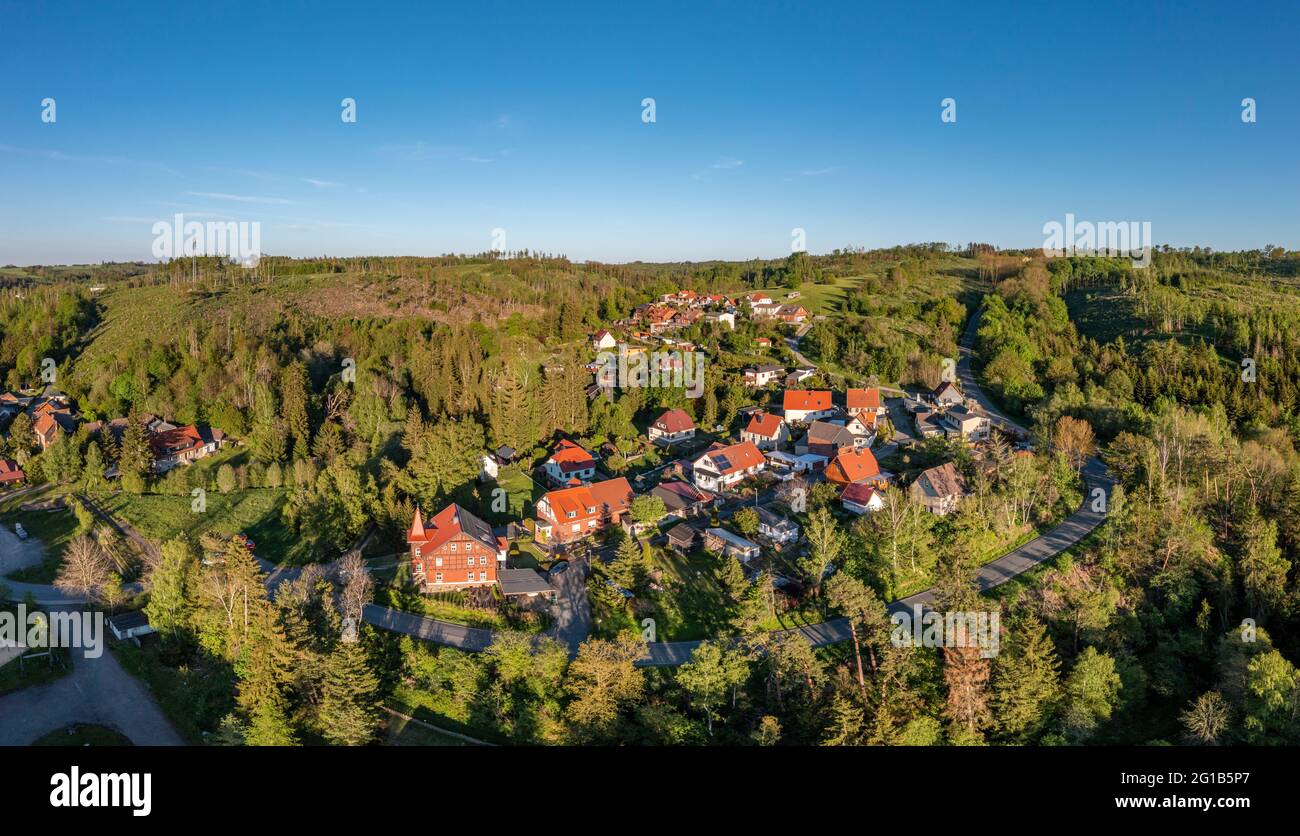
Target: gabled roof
x: 571, y: 457
x: 735, y: 458
x: 678, y: 495
x: 824, y: 432
x: 853, y: 466
x: 856, y: 399
x: 450, y: 522
x: 765, y: 424
x: 674, y: 421
x: 807, y: 400
x: 946, y: 388
x: 613, y: 495
x: 942, y: 481
x: 859, y: 493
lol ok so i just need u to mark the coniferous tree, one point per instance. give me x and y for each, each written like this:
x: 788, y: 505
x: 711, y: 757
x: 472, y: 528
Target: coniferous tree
x: 349, y: 708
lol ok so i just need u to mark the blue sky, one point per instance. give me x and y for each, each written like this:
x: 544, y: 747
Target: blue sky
x: 477, y: 116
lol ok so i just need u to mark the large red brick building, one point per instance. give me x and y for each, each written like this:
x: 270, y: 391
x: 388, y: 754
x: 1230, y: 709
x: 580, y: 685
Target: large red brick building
x: 454, y: 550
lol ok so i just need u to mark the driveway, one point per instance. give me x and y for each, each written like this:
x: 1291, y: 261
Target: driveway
x: 571, y: 611
x: 96, y: 691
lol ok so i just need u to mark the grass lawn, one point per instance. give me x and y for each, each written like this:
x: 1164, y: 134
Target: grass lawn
x: 450, y: 606
x: 14, y: 677
x: 692, y: 604
x: 84, y: 735
x: 53, y: 529
x: 255, y: 511
x: 825, y: 298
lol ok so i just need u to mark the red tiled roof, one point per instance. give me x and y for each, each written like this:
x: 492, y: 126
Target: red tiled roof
x: 674, y: 421
x: 614, y: 495
x: 859, y: 493
x: 10, y: 471
x: 765, y: 424
x: 571, y: 457
x: 807, y: 400
x: 735, y: 458
x: 852, y: 466
x: 450, y: 522
x: 857, y: 399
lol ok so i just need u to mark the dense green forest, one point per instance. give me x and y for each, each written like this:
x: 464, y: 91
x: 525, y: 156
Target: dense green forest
x: 373, y: 384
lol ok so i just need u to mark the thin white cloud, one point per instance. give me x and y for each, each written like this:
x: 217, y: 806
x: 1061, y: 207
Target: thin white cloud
x: 321, y: 184
x: 728, y: 163
x: 816, y: 172
x: 240, y: 198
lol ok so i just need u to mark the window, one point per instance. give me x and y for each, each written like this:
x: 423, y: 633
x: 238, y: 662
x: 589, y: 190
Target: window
x: 571, y: 514
x: 437, y: 561
x: 417, y: 551
x: 577, y: 527
x: 482, y: 575
x: 453, y: 547
x: 482, y: 560
x: 437, y: 578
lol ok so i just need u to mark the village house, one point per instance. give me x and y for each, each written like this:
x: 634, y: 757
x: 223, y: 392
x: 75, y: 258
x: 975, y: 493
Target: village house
x: 863, y: 400
x: 722, y: 318
x: 799, y: 375
x: 960, y: 422
x: 763, y: 310
x: 928, y: 424
x: 939, y: 489
x: 803, y: 405
x: 766, y: 430
x: 671, y: 427
x: 862, y: 498
x: 682, y: 500
x: 864, y: 425
x: 722, y: 467
x: 723, y: 542
x: 793, y: 314
x: 570, y: 514
x: 454, y: 550
x: 947, y: 394
x: 569, y: 462
x: 759, y: 298
x: 827, y: 439
x: 855, y: 465
x: 603, y: 341
x: 759, y: 376
x: 776, y: 528
x: 762, y: 342
x: 181, y: 445
x: 10, y: 472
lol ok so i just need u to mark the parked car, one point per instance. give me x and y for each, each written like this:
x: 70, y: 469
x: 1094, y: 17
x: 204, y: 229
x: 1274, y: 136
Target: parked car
x: 20, y: 531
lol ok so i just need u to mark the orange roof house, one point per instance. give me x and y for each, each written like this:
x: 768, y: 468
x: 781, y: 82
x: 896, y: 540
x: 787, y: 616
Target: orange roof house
x: 806, y: 404
x: 570, y: 514
x: 852, y: 465
x: 858, y: 400
x: 569, y: 461
x: 724, y: 465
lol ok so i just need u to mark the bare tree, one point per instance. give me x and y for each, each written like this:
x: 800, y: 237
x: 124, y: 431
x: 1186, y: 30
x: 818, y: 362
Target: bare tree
x: 85, y: 568
x: 358, y: 587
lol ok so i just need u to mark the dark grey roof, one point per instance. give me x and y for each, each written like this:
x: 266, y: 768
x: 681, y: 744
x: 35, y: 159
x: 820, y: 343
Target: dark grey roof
x: 683, y: 534
x: 128, y: 620
x: 522, y: 582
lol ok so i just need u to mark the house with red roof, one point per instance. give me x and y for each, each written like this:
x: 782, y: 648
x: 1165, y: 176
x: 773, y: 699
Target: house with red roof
x: 803, y: 405
x: 603, y: 341
x: 671, y: 427
x: 10, y: 472
x: 174, y: 446
x: 862, y: 498
x: 723, y: 466
x: 855, y: 465
x: 567, y: 515
x: 864, y: 400
x: 569, y: 462
x: 454, y: 550
x: 766, y: 430
x: 682, y: 500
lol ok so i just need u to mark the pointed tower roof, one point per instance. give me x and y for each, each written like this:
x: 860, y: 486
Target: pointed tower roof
x: 417, y: 527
